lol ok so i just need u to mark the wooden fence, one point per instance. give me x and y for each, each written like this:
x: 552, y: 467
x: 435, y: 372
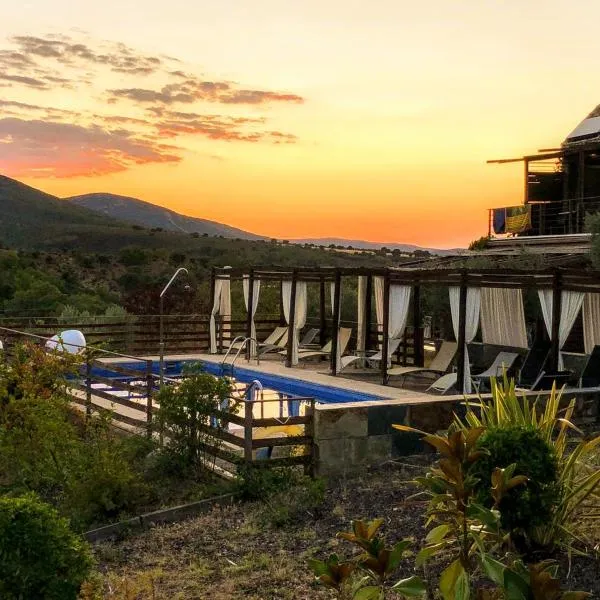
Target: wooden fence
x: 229, y: 446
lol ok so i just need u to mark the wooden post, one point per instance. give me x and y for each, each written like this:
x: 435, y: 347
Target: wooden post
x: 335, y: 327
x: 88, y: 387
x: 386, y: 327
x: 526, y: 194
x: 149, y: 390
x: 292, y: 318
x: 309, y: 431
x: 418, y: 358
x: 249, y: 317
x: 367, y: 316
x: 248, y: 418
x: 462, y: 322
x: 556, y: 310
x: 322, y: 314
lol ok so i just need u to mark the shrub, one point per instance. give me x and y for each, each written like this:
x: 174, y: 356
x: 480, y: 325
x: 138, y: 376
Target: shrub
x: 40, y: 557
x: 525, y: 506
x: 185, y: 417
x: 578, y: 475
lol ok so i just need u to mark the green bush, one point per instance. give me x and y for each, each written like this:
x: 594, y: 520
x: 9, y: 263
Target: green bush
x: 40, y: 557
x: 526, y: 506
x: 184, y: 415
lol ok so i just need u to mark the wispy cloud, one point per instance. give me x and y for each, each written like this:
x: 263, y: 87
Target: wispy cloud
x: 162, y: 99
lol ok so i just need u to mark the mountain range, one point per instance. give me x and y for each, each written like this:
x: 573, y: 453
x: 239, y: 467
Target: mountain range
x: 151, y: 216
x: 30, y: 218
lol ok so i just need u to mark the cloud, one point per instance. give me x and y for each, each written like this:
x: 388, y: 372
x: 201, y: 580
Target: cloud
x: 118, y: 57
x: 27, y: 81
x: 125, y: 125
x: 193, y: 90
x: 35, y: 148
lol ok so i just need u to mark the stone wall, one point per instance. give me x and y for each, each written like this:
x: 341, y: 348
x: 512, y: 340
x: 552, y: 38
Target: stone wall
x: 349, y: 437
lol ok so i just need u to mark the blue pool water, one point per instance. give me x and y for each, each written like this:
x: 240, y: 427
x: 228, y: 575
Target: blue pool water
x: 287, y: 386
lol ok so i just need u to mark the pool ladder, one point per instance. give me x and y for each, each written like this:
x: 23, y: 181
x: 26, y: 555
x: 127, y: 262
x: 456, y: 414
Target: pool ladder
x: 242, y: 346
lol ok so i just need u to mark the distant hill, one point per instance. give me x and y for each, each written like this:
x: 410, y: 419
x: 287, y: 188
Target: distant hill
x: 363, y: 245
x: 28, y: 215
x: 150, y: 215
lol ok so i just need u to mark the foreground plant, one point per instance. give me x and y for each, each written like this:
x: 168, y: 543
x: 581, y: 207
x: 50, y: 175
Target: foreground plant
x: 578, y: 477
x: 366, y: 576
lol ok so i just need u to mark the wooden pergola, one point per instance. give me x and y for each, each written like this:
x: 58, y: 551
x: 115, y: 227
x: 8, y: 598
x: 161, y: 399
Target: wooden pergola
x: 556, y: 279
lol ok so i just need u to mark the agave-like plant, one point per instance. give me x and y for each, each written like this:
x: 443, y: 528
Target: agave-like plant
x: 578, y: 476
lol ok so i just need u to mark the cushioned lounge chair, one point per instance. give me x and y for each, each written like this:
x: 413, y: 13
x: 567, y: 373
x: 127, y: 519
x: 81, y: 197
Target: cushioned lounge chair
x: 443, y: 383
x: 590, y: 376
x: 440, y: 363
x: 375, y: 358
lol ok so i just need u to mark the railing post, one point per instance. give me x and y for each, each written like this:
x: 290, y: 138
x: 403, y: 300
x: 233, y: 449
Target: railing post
x: 149, y: 390
x: 248, y: 418
x: 88, y: 387
x: 309, y: 431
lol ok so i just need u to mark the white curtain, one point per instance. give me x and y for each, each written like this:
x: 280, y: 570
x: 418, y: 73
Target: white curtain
x: 471, y: 324
x: 332, y: 296
x: 361, y: 332
x: 255, y: 296
x: 378, y: 286
x: 214, y: 311
x: 398, y: 308
x: 299, y: 312
x: 570, y: 305
x: 503, y: 318
x: 591, y: 322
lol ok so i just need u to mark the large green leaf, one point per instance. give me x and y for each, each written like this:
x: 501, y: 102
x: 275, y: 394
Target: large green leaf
x: 371, y: 592
x: 396, y: 555
x: 449, y: 578
x: 493, y: 569
x: 411, y: 586
x: 515, y: 587
x: 437, y: 534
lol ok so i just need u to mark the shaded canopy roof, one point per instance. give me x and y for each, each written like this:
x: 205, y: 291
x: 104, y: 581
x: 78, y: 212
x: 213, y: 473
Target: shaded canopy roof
x: 587, y: 130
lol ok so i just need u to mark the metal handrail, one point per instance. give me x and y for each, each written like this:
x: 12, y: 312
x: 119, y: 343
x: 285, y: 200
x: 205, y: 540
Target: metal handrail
x: 245, y: 340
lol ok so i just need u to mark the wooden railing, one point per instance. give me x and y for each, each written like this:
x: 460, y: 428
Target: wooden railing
x: 231, y: 448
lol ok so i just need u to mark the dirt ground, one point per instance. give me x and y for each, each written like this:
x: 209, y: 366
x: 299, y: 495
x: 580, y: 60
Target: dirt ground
x: 236, y: 553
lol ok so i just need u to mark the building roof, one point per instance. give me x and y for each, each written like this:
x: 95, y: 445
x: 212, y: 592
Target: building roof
x: 587, y: 130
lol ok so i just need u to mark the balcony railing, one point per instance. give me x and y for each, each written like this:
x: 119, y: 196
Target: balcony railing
x: 558, y: 217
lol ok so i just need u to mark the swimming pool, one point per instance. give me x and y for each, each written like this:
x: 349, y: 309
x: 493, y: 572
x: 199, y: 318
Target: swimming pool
x: 288, y: 387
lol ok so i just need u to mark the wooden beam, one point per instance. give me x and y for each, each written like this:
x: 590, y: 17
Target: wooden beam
x: 556, y: 310
x: 526, y: 191
x: 292, y: 319
x: 462, y: 322
x: 418, y: 357
x: 386, y: 327
x: 335, y: 328
x: 322, y: 314
x: 249, y: 316
x: 368, y: 310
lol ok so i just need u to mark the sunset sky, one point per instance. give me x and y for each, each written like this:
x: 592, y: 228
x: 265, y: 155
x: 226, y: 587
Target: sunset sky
x: 365, y: 120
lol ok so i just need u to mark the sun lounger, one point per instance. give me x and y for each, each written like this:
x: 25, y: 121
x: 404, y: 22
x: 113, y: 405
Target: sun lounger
x: 533, y: 364
x: 503, y: 362
x: 375, y: 358
x: 278, y: 346
x: 344, y: 338
x: 443, y: 383
x: 590, y: 377
x: 440, y: 364
x: 309, y: 337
